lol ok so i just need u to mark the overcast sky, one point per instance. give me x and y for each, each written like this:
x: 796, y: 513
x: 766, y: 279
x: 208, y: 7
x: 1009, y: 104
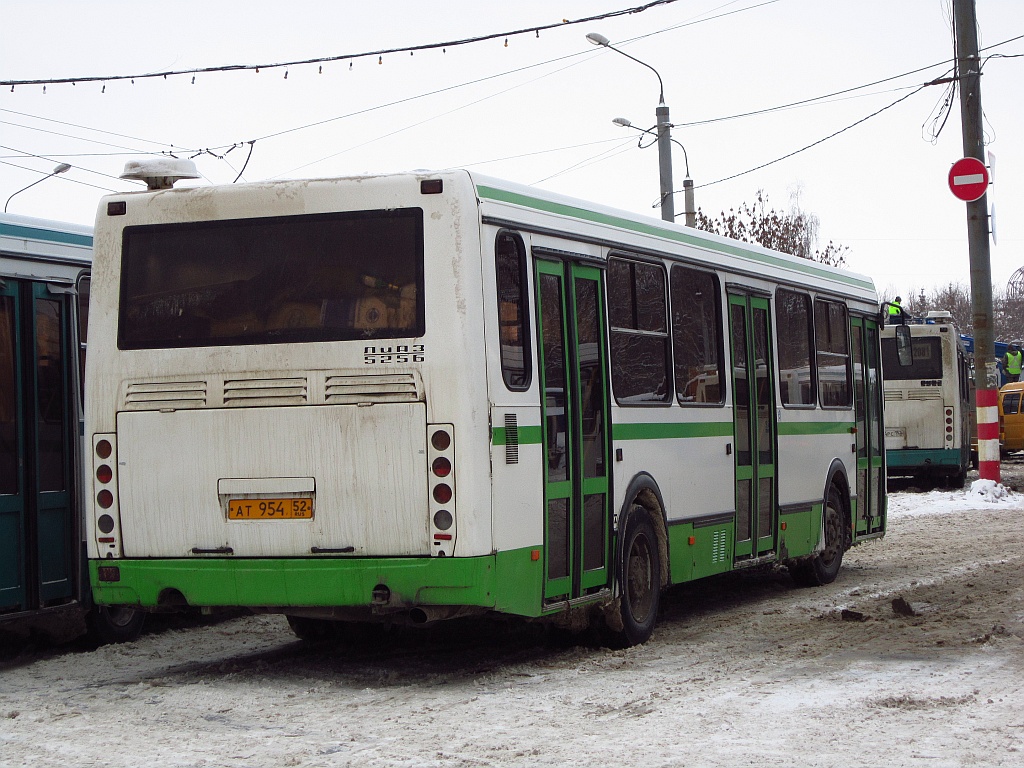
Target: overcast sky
x: 535, y: 108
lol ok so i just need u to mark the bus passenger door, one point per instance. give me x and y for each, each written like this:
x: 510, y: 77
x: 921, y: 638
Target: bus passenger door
x: 574, y: 412
x: 754, y: 425
x: 867, y: 389
x: 37, y: 523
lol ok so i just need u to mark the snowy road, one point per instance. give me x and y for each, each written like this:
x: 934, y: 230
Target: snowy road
x: 741, y: 670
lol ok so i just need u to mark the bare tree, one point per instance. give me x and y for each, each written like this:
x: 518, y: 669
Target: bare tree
x: 794, y: 231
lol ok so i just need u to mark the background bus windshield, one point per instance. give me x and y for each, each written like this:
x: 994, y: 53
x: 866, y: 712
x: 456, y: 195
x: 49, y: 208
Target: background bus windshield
x: 927, y: 360
x: 329, y: 277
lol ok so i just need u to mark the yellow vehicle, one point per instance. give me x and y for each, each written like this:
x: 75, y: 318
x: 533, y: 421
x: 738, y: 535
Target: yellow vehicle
x: 1011, y: 417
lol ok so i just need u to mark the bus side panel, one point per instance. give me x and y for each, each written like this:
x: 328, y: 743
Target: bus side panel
x: 694, y: 474
x: 806, y: 451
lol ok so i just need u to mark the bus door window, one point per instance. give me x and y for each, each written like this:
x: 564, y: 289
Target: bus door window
x: 556, y: 425
x: 8, y: 399
x: 575, y: 416
x: 875, y: 428
x: 754, y: 425
x: 592, y: 400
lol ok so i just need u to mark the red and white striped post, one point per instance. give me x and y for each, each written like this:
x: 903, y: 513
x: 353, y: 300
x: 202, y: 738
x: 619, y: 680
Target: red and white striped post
x: 968, y: 180
x: 988, y: 432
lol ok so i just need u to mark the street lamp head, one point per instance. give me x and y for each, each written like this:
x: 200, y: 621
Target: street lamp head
x: 598, y: 39
x: 622, y: 121
x: 59, y: 169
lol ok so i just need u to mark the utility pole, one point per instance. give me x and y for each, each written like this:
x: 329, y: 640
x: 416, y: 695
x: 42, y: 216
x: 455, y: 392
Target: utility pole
x: 668, y: 203
x: 968, y: 67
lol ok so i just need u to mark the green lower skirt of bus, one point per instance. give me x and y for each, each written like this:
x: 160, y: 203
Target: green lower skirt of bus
x: 510, y: 582
x: 910, y: 457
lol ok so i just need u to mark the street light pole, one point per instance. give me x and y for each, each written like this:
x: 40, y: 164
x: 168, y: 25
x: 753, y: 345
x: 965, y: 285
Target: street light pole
x: 664, y: 126
x: 59, y: 169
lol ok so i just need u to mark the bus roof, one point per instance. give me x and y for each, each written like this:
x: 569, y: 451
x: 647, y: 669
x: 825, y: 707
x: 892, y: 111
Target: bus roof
x: 23, y: 238
x: 500, y: 198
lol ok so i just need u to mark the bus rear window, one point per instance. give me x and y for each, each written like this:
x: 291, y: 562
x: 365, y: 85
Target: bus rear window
x: 285, y: 279
x: 927, y: 360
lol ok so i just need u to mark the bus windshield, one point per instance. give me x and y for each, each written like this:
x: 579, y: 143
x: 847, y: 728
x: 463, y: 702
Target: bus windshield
x: 927, y: 360
x: 323, y: 277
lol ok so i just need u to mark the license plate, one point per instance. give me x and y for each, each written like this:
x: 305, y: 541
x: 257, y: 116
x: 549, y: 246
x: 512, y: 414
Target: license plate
x: 270, y: 509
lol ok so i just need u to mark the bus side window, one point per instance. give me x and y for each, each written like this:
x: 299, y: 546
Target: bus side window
x: 832, y: 344
x: 639, y: 332
x: 697, y: 335
x: 513, y: 331
x: 796, y: 374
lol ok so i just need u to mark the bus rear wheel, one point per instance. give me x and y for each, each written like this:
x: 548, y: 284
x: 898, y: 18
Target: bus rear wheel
x: 114, y: 624
x: 639, y: 581
x: 823, y: 567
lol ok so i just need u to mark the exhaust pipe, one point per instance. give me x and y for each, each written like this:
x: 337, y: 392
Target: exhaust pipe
x: 425, y: 614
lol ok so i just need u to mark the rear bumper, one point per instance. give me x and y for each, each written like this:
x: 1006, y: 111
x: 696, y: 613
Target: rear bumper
x: 910, y: 459
x: 282, y: 583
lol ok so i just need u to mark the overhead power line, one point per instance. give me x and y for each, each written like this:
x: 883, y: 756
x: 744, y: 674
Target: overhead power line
x: 812, y: 144
x: 341, y: 57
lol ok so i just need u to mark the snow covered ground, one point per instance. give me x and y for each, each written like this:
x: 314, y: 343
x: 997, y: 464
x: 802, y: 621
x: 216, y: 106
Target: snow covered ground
x: 914, y: 657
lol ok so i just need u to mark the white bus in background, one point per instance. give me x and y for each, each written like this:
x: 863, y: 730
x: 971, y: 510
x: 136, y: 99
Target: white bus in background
x: 417, y: 396
x: 44, y: 299
x: 927, y: 403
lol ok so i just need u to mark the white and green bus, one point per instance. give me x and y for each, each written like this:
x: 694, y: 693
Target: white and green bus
x: 928, y: 401
x: 427, y: 395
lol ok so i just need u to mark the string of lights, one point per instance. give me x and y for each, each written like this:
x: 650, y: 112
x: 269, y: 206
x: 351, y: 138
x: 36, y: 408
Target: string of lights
x: 350, y: 57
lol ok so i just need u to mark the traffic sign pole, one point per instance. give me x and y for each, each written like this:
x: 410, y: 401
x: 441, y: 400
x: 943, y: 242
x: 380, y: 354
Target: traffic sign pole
x: 968, y: 67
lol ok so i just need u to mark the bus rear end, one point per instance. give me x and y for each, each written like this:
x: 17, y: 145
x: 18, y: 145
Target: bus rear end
x: 273, y: 416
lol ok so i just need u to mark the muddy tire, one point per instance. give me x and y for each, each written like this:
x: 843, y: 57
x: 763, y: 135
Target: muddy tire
x: 823, y: 567
x: 639, y: 581
x: 114, y: 624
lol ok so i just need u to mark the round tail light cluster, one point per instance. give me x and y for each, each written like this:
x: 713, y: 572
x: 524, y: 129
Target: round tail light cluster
x: 105, y: 490
x: 442, y: 488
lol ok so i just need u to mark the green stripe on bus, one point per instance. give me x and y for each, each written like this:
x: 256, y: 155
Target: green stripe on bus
x: 670, y: 431
x: 527, y: 435
x: 584, y: 214
x: 34, y: 233
x: 792, y: 428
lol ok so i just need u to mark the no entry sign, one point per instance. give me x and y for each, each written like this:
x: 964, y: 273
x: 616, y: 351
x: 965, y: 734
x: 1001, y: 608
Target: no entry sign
x: 968, y: 179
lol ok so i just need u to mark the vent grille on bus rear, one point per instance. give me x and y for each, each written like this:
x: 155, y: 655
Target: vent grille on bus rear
x: 256, y: 392
x: 924, y: 393
x: 373, y: 388
x: 165, y: 394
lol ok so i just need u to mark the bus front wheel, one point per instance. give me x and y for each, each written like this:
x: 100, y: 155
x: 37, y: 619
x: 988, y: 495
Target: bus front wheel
x: 639, y: 580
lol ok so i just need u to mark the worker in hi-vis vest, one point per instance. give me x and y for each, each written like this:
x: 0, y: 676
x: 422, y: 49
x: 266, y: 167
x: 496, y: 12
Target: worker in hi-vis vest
x: 1012, y: 362
x: 895, y: 309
